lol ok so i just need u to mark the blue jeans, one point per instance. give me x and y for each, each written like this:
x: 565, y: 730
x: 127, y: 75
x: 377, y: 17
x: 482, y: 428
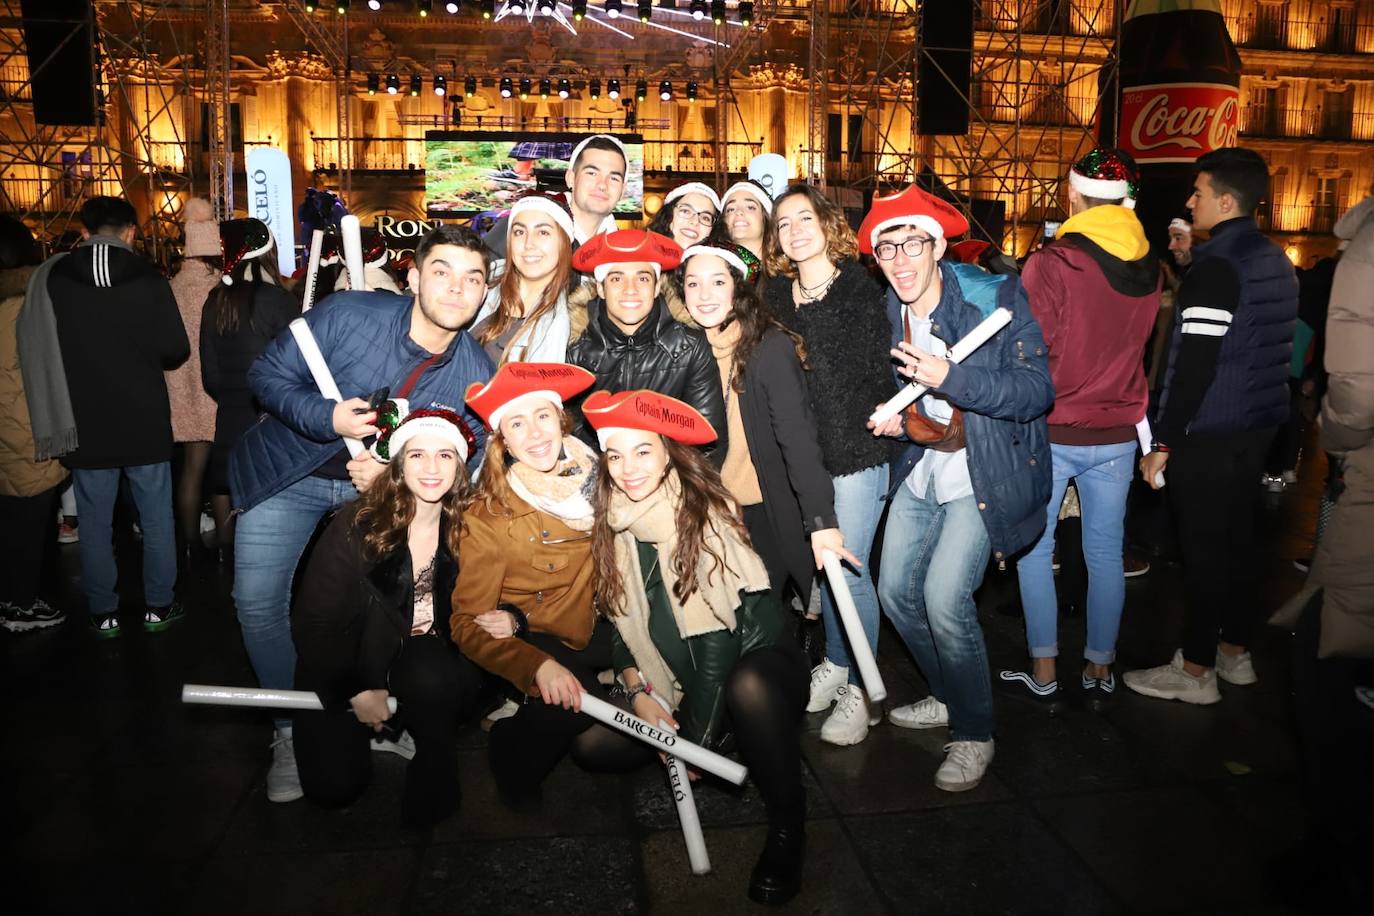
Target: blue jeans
x: 933, y: 561
x: 268, y: 543
x: 858, y: 506
x: 96, y: 491
x: 1103, y: 474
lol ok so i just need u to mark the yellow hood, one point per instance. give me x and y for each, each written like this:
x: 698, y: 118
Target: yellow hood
x: 1115, y: 229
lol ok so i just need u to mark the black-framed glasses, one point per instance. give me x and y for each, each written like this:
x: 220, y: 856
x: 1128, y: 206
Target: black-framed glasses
x: 688, y: 212
x: 911, y: 247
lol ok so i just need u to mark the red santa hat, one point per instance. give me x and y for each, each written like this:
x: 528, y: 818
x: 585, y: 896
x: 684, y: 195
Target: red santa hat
x: 514, y: 383
x: 397, y: 424
x: 910, y: 207
x: 626, y: 246
x: 555, y: 206
x: 241, y: 240
x: 648, y: 411
x: 1106, y: 174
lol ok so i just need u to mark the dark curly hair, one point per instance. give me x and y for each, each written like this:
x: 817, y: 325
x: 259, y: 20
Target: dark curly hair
x: 387, y: 508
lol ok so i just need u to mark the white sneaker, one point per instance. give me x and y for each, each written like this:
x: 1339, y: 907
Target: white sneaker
x: 964, y: 766
x: 1171, y: 682
x: 927, y: 713
x: 283, y: 781
x: 504, y: 711
x: 848, y: 723
x: 827, y: 679
x: 1236, y: 669
x: 403, y: 746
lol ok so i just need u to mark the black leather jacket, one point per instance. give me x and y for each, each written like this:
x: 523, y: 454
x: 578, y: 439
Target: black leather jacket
x: 664, y: 355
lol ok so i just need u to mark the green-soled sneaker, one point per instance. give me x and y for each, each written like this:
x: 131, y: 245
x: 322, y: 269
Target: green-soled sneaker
x: 105, y: 626
x: 157, y: 619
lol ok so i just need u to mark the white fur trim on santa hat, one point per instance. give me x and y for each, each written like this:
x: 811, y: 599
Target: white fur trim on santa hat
x: 748, y: 187
x: 601, y: 270
x: 929, y: 223
x: 693, y: 187
x: 436, y: 425
x: 1100, y: 188
x: 549, y: 208
x: 606, y: 432
x: 494, y: 420
x: 729, y: 257
x: 1179, y: 222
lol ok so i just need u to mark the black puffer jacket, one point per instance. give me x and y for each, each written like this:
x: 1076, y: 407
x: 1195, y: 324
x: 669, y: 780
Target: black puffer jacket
x: 664, y: 355
x: 846, y: 337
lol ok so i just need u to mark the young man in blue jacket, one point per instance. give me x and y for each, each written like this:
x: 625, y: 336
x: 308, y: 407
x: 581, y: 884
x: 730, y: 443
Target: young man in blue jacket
x: 975, y: 476
x: 291, y: 469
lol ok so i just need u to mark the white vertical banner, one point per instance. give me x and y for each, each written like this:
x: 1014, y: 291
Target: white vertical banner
x: 269, y: 199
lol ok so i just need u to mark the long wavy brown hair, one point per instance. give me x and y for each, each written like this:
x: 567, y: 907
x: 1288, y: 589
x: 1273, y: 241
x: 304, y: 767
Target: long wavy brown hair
x: 840, y: 242
x: 386, y: 509
x: 509, y: 303
x: 705, y: 501
x: 754, y: 319
x: 493, y: 490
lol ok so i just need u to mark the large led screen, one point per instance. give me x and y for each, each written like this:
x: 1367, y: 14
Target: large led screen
x: 471, y: 172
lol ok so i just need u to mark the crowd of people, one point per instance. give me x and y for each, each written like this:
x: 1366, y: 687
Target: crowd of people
x: 606, y: 462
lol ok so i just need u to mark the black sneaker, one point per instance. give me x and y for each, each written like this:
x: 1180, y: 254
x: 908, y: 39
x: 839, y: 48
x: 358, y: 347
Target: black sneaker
x: 1097, y: 691
x: 37, y: 616
x: 157, y: 619
x: 105, y: 626
x: 1022, y: 684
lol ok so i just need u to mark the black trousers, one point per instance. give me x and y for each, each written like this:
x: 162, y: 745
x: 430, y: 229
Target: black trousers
x: 765, y: 697
x: 28, y: 524
x: 525, y: 747
x: 435, y: 688
x: 1213, y: 484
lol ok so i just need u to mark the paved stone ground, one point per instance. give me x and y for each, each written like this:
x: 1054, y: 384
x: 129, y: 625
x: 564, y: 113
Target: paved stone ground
x: 122, y: 800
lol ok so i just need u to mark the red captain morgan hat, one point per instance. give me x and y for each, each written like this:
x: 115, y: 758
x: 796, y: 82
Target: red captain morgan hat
x: 648, y: 411
x: 626, y: 246
x: 911, y: 207
x: 969, y: 250
x: 514, y: 382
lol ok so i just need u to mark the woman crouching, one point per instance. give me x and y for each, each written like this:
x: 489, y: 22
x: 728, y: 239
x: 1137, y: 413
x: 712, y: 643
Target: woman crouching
x: 371, y: 623
x: 695, y: 620
x: 523, y: 606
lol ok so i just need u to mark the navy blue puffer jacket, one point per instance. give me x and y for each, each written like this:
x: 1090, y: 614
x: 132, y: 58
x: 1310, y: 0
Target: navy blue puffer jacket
x: 1005, y: 392
x: 365, y: 339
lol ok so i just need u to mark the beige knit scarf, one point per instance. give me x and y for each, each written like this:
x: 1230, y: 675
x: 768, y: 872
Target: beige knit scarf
x: 564, y: 492
x: 711, y: 607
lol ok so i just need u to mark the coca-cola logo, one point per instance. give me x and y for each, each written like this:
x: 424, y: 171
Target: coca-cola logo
x: 1178, y: 122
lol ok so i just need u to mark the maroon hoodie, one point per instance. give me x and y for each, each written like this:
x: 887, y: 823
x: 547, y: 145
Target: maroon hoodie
x: 1097, y: 312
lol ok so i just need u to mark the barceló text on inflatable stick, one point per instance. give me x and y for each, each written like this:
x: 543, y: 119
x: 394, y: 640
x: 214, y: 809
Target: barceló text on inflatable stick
x: 351, y: 234
x: 324, y: 379
x: 664, y: 740
x: 854, y: 630
x: 971, y: 341
x: 681, y: 786
x: 312, y: 271
x: 257, y: 697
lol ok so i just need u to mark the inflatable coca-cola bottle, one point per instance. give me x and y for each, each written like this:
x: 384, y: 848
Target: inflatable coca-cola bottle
x: 1176, y: 96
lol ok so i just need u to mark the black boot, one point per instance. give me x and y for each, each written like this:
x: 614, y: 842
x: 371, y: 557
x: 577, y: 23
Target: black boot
x: 777, y: 875
x: 811, y: 638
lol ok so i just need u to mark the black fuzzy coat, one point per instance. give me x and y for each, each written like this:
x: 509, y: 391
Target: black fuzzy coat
x: 847, y: 341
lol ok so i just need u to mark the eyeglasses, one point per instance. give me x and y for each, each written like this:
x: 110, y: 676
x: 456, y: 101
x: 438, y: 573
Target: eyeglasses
x: 911, y: 247
x: 704, y: 217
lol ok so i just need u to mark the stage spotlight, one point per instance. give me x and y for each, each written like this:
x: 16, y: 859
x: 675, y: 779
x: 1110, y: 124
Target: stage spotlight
x: 646, y: 10
x: 579, y: 10
x: 452, y: 7
x: 746, y: 13
x: 665, y: 90
x: 507, y: 88
x: 374, y: 82
x: 612, y: 9
x: 692, y: 91
x: 310, y: 6
x: 594, y: 89
x: 393, y: 84
x: 564, y: 88
x: 698, y: 9
x: 641, y: 90
x: 417, y: 82
x: 440, y: 85
x: 488, y: 8
x: 545, y: 87
x: 340, y: 6
x: 613, y: 89
x: 545, y: 7
x: 470, y: 86
x: 425, y: 7
x: 718, y: 12
x: 374, y: 5
x: 517, y: 7
x: 524, y: 88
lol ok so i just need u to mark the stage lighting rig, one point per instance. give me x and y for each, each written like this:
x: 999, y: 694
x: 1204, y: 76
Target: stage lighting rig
x: 524, y: 88
x: 594, y: 89
x: 470, y: 86
x: 646, y: 10
x: 718, y: 12
x: 613, y: 89
x: 746, y: 13
x: 612, y: 9
x: 440, y: 85
x: 425, y: 6
x: 507, y: 87
x: 665, y: 91
x: 374, y: 82
x: 698, y: 9
x: 393, y: 84
x: 641, y: 90
x: 564, y: 88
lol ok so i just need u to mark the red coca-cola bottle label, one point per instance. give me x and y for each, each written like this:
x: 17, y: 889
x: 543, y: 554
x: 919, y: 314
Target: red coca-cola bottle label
x: 1178, y: 122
